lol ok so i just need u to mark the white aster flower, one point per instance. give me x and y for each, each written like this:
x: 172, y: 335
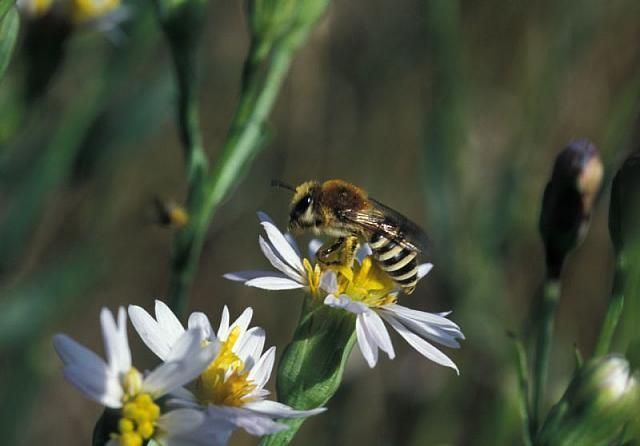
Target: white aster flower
x: 293, y: 272
x: 104, y: 15
x: 371, y: 295
x: 364, y: 289
x: 231, y: 389
x: 116, y: 384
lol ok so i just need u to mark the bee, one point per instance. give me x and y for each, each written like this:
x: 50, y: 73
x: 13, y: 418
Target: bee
x: 346, y: 212
x: 170, y: 214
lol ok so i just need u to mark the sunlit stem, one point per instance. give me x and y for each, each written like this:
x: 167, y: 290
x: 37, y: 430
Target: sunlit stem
x: 544, y: 339
x: 245, y: 137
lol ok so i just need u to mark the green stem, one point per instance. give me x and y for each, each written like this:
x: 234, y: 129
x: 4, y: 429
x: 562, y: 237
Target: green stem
x: 543, y: 348
x: 310, y: 370
x: 189, y: 117
x: 244, y: 139
x: 614, y: 312
x: 523, y: 386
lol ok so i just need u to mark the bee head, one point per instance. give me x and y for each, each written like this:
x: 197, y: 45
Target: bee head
x: 303, y: 211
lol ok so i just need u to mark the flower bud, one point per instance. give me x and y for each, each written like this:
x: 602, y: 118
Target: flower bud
x: 282, y: 21
x: 601, y: 399
x: 624, y: 208
x: 568, y: 201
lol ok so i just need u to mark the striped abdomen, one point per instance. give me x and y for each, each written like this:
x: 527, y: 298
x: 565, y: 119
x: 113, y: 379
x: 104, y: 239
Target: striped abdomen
x: 399, y: 262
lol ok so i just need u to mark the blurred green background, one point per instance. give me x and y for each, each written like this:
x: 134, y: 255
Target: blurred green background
x: 450, y: 112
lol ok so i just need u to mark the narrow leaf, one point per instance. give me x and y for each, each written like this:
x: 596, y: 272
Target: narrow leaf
x: 9, y: 25
x: 5, y: 5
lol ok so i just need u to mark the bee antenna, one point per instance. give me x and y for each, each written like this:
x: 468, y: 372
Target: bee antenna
x: 278, y: 183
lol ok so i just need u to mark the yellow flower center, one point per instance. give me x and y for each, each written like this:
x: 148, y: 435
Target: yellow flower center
x: 225, y: 381
x: 366, y: 283
x: 313, y: 276
x: 85, y: 10
x: 139, y: 412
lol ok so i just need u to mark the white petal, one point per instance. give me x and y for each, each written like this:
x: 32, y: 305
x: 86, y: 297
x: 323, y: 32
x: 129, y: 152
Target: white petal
x: 249, y: 348
x: 243, y: 276
x: 282, y: 246
x: 88, y: 372
x: 180, y: 420
x: 435, y: 319
x: 184, y: 395
x: 368, y: 347
x: 182, y: 398
x: 329, y: 282
x: 188, y: 427
x: 378, y: 332
x: 100, y: 385
x: 252, y: 422
x: 186, y: 361
x: 344, y: 302
x: 422, y: 346
x: 73, y: 353
x: 274, y: 283
x: 149, y: 331
x: 314, y: 246
x: 243, y: 320
x: 279, y: 410
x: 116, y: 344
x: 168, y: 322
x: 261, y: 372
x: 278, y: 263
x: 363, y: 251
x: 223, y: 328
x: 428, y: 330
x: 263, y: 216
x: 201, y: 321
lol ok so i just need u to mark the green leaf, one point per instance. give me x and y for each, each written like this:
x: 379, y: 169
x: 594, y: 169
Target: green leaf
x: 9, y: 25
x: 310, y: 370
x: 5, y: 5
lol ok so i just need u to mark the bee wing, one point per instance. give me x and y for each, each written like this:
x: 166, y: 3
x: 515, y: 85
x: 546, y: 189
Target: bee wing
x: 391, y: 224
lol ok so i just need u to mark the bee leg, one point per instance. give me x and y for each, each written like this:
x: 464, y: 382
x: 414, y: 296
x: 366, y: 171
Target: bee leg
x: 339, y: 252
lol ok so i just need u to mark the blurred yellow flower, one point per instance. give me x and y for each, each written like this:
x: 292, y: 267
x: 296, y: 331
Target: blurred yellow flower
x: 87, y: 10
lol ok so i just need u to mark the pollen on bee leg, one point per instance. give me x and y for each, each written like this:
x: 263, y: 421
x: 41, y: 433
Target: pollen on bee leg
x: 339, y: 253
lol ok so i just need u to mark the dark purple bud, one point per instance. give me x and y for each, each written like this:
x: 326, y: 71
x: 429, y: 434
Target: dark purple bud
x: 568, y: 201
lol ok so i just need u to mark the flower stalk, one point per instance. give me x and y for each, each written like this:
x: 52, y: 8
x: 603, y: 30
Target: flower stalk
x: 262, y: 78
x: 551, y: 295
x: 614, y: 312
x: 567, y: 205
x: 243, y: 141
x: 311, y: 368
x: 523, y: 387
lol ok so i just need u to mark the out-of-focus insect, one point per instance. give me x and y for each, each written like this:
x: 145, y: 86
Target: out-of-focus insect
x: 344, y: 211
x: 170, y: 214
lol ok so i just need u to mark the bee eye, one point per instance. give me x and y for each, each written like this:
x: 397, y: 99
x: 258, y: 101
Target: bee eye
x: 302, y: 205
